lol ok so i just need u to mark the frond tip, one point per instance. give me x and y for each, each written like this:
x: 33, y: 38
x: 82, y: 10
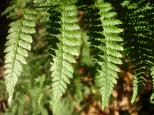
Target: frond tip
x: 18, y: 43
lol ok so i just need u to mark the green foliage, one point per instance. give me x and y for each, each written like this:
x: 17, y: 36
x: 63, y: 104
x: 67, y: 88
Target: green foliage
x: 64, y: 106
x: 16, y: 8
x: 70, y: 34
x: 107, y: 74
x: 106, y: 44
x: 68, y: 48
x: 19, y: 41
x: 139, y: 42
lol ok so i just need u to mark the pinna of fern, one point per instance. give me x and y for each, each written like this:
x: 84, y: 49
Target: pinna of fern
x: 18, y: 43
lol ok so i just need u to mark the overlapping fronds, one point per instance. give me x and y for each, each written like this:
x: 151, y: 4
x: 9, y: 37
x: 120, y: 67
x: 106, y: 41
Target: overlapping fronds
x: 101, y: 46
x: 68, y: 50
x: 138, y: 42
x: 18, y: 43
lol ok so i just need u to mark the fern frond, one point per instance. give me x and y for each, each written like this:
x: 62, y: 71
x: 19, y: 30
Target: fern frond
x: 107, y: 74
x: 139, y: 43
x: 105, y: 44
x: 68, y: 49
x: 18, y: 43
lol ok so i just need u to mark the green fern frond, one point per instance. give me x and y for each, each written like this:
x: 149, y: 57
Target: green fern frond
x: 105, y: 45
x: 68, y: 49
x: 139, y: 43
x: 18, y: 43
x: 107, y: 74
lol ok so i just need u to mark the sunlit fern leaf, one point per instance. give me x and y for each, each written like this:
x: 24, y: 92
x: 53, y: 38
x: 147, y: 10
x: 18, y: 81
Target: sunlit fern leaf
x: 69, y: 45
x: 18, y: 43
x: 107, y: 73
x: 138, y: 42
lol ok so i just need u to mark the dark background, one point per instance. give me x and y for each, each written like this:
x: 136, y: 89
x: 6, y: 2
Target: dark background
x: 3, y: 28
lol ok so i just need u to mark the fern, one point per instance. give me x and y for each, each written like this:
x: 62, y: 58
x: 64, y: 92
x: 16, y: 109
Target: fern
x: 107, y: 75
x: 46, y: 3
x: 105, y: 43
x: 15, y: 8
x: 19, y: 41
x: 68, y: 49
x: 100, y: 36
x: 139, y: 43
